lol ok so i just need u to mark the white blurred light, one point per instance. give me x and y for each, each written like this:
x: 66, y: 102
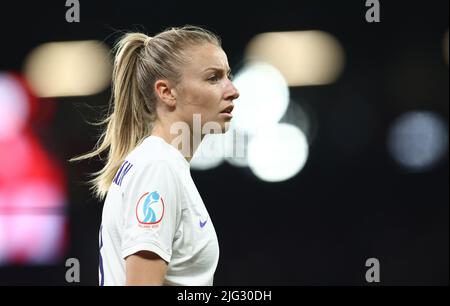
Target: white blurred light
x: 303, y: 57
x: 417, y: 140
x: 264, y: 97
x: 209, y: 154
x: 236, y: 147
x: 278, y: 153
x: 68, y: 68
x: 14, y: 106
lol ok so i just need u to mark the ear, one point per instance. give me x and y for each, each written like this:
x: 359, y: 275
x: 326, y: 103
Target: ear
x: 164, y: 90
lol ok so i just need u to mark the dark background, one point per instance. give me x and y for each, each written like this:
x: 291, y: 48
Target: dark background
x: 349, y: 203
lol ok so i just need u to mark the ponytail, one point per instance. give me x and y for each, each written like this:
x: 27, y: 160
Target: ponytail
x: 128, y: 123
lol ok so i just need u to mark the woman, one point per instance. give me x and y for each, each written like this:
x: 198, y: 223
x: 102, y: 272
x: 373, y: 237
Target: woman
x: 155, y: 227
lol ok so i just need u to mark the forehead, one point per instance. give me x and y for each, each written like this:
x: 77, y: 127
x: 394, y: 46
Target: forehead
x: 206, y: 56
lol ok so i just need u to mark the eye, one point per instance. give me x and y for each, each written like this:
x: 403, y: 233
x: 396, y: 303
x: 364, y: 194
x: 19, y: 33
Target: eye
x: 230, y: 76
x: 214, y: 78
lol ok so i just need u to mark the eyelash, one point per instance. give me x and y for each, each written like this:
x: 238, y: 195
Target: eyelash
x: 213, y: 78
x: 216, y: 78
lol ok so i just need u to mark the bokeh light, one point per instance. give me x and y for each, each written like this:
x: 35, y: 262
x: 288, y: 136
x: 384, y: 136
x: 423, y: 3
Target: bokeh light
x: 69, y: 68
x: 277, y: 153
x: 303, y: 57
x: 264, y: 97
x: 417, y: 140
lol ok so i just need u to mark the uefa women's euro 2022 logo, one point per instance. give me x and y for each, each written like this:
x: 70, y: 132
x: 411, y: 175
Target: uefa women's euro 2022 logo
x: 150, y: 209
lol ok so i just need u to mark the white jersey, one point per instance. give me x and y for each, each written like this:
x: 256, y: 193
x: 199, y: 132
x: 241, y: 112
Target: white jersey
x: 154, y: 205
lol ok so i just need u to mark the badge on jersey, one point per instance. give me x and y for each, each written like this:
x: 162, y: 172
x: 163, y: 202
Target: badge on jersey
x: 150, y: 209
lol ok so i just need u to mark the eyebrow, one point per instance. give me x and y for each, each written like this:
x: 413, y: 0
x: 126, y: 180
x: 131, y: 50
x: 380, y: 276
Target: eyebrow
x: 217, y: 69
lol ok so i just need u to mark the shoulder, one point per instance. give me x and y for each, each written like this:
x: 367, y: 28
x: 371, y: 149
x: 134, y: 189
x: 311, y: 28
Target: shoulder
x: 144, y: 171
x: 152, y: 151
x: 151, y: 161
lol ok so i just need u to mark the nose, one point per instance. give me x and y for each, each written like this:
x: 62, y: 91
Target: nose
x: 231, y: 93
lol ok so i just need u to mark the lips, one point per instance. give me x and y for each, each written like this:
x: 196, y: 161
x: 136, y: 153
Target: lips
x: 228, y: 109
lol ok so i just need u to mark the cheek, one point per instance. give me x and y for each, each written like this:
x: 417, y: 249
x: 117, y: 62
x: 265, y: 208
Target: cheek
x: 204, y: 100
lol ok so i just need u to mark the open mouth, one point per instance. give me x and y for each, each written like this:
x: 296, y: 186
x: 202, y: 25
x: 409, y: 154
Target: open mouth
x: 227, y: 110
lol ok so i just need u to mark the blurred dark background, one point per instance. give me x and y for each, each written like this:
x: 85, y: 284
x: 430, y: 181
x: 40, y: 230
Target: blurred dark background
x: 350, y: 202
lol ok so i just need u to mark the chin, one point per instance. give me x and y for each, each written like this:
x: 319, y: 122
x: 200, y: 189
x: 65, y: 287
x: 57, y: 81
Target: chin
x: 216, y: 127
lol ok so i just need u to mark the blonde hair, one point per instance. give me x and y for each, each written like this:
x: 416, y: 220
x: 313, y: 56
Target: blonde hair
x: 140, y: 60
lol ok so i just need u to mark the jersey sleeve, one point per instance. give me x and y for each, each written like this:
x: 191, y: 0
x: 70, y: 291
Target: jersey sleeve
x: 152, y: 210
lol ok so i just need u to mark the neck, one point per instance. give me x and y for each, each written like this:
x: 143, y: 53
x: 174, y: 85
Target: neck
x: 185, y: 143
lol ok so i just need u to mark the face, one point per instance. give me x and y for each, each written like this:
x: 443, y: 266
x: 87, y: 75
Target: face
x: 205, y: 88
